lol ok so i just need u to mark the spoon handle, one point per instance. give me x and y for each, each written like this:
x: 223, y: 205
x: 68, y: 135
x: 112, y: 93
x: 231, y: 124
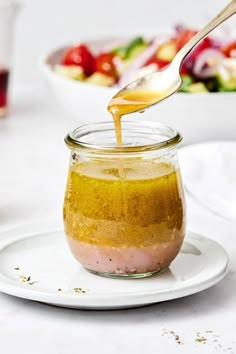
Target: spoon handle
x: 227, y: 12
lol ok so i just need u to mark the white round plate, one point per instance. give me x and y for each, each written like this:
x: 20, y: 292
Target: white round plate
x: 209, y: 175
x: 38, y: 266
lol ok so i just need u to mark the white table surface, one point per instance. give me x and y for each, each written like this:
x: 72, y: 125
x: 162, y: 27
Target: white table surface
x: 34, y: 164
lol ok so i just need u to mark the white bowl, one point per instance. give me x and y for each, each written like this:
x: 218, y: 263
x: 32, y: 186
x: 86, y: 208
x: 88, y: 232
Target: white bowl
x: 199, y: 117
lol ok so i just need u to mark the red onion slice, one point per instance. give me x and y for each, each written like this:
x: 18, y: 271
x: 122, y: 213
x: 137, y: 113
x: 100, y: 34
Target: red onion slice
x: 207, y: 62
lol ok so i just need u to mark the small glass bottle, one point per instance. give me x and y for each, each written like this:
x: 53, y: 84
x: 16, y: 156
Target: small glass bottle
x: 8, y: 11
x: 124, y: 208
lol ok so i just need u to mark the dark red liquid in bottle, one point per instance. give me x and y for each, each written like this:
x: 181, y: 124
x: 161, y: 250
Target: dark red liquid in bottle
x: 4, y: 74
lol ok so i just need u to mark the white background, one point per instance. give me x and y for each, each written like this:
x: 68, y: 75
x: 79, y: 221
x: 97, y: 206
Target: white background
x: 34, y: 165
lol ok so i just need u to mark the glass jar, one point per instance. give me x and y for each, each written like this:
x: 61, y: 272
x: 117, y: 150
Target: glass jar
x: 124, y: 209
x: 8, y: 11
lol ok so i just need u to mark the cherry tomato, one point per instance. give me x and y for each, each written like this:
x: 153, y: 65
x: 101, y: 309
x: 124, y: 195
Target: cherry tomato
x: 206, y: 43
x: 159, y: 62
x: 80, y: 55
x: 230, y: 50
x: 181, y: 40
x: 183, y: 37
x: 104, y: 63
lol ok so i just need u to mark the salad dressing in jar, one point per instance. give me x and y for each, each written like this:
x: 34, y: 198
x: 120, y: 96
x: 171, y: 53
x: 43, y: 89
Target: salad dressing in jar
x: 130, y: 225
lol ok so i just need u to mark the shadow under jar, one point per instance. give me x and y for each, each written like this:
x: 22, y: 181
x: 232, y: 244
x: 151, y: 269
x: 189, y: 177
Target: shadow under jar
x: 124, y: 209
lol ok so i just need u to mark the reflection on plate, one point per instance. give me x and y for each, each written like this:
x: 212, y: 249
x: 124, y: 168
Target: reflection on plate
x: 38, y: 266
x: 209, y: 175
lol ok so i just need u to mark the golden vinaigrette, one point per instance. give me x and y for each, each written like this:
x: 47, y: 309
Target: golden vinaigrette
x: 127, y: 102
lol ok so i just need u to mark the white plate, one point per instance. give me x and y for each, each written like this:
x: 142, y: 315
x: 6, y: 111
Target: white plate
x: 45, y: 258
x: 209, y: 175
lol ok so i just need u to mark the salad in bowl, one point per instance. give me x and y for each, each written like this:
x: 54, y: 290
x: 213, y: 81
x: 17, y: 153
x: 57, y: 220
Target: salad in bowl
x: 210, y: 67
x: 85, y: 76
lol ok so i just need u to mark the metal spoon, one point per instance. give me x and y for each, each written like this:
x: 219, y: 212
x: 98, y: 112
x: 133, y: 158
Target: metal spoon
x: 153, y: 88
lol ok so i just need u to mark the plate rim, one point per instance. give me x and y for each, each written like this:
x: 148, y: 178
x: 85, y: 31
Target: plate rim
x: 119, y: 300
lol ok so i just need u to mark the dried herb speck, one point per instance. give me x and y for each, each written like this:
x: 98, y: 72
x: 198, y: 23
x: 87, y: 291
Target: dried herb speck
x: 26, y: 279
x: 80, y: 290
x: 33, y: 282
x: 173, y: 334
x: 23, y: 278
x: 201, y: 340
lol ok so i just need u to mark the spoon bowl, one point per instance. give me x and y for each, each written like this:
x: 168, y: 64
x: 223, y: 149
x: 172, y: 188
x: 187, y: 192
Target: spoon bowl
x: 148, y: 90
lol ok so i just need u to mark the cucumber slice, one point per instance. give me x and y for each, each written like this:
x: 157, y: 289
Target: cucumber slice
x: 100, y: 79
x: 137, y: 51
x: 226, y: 75
x: 187, y: 81
x: 134, y: 44
x: 198, y: 87
x: 226, y: 83
x: 71, y: 72
x: 127, y: 51
x: 120, y: 51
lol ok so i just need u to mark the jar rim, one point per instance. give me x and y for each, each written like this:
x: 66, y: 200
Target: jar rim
x: 171, y: 137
